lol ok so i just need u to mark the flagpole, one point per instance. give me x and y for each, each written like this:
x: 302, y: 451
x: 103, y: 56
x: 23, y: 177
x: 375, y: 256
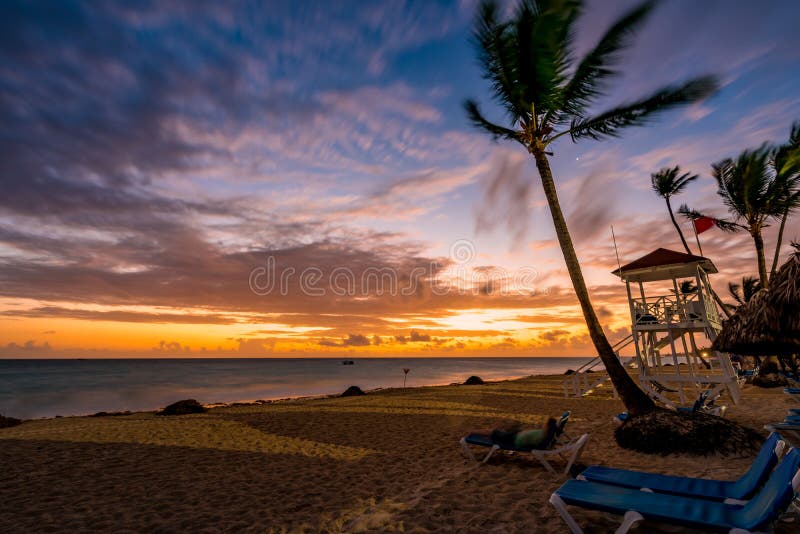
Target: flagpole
x: 697, y: 238
x: 616, y: 251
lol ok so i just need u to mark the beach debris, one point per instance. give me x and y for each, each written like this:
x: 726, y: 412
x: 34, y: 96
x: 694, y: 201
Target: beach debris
x: 183, y: 407
x: 110, y: 414
x: 699, y: 434
x: 8, y: 422
x: 352, y: 391
x: 474, y: 381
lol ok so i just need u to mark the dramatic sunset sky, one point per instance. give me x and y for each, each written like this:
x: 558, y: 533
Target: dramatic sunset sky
x: 158, y: 159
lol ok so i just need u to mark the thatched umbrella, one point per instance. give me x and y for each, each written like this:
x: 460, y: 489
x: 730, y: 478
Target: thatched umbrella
x: 769, y: 324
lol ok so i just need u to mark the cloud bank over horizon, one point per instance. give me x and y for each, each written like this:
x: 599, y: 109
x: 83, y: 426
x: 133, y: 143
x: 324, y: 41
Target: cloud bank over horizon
x: 154, y: 156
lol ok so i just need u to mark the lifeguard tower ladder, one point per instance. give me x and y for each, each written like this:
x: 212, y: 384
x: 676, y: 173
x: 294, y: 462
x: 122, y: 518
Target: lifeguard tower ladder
x: 666, y: 327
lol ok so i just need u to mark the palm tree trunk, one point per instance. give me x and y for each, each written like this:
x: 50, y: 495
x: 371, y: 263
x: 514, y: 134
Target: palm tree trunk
x: 635, y: 400
x: 722, y: 306
x: 762, y: 264
x: 778, y: 245
x: 678, y: 228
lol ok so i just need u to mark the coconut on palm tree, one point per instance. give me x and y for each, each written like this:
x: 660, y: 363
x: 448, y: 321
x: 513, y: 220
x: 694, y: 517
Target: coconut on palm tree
x: 667, y: 183
x: 547, y: 92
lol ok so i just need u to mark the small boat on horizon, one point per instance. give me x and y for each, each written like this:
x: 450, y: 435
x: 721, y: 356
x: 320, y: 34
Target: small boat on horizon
x: 348, y: 362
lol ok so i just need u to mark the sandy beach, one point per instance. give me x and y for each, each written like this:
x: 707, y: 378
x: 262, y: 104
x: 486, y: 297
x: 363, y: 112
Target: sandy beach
x: 385, y: 462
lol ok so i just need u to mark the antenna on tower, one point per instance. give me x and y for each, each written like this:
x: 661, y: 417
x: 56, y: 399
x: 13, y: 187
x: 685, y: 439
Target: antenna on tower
x: 619, y: 266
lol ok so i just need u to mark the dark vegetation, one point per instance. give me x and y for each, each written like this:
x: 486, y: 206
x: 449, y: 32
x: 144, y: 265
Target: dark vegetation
x: 666, y: 432
x: 183, y: 407
x: 474, y: 381
x: 352, y: 391
x: 8, y: 422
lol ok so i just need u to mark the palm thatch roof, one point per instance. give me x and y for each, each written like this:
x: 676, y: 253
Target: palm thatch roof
x: 769, y: 324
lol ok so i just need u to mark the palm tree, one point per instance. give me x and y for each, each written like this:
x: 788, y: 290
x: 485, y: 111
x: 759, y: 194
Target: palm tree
x: 753, y: 194
x: 757, y: 186
x: 687, y: 287
x: 668, y: 182
x: 546, y: 92
x: 787, y: 167
x: 742, y: 293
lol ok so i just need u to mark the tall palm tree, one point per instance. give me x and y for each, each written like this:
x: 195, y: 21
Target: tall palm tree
x: 669, y: 182
x: 753, y: 194
x: 787, y: 167
x: 547, y: 92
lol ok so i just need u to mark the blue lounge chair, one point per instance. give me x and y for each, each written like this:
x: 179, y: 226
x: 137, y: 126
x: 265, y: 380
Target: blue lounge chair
x: 757, y: 515
x: 734, y: 491
x: 794, y: 393
x: 569, y: 451
x: 789, y: 430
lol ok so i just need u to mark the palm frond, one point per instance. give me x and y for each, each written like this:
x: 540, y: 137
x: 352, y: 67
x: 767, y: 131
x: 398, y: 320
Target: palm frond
x: 750, y: 286
x: 662, y: 181
x: 477, y: 119
x: 735, y: 291
x: 667, y: 182
x: 689, y: 213
x: 722, y: 224
x: 543, y: 32
x: 728, y: 226
x: 589, y: 79
x: 794, y: 135
x: 787, y: 156
x: 682, y: 181
x: 610, y: 123
x: 687, y: 286
x: 497, y: 56
x: 749, y: 187
x: 742, y: 293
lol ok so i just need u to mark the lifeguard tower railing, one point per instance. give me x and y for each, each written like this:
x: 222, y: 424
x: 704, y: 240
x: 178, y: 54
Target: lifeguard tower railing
x: 592, y: 375
x: 665, y: 327
x: 676, y: 310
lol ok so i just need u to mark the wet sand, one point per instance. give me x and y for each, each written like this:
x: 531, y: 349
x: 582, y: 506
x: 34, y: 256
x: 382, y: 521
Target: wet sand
x: 385, y: 462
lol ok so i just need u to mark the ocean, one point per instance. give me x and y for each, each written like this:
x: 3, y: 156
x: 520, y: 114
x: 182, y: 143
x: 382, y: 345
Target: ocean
x: 45, y: 388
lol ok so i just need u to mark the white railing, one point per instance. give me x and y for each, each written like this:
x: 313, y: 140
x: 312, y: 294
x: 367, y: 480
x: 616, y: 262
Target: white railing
x: 669, y: 309
x: 585, y: 378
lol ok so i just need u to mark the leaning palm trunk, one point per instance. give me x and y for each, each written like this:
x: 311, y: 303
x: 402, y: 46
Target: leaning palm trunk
x: 635, y: 400
x: 678, y: 228
x: 778, y: 245
x: 526, y: 58
x: 721, y: 305
x: 762, y: 263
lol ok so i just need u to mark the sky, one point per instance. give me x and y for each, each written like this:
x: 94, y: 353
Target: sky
x: 289, y: 179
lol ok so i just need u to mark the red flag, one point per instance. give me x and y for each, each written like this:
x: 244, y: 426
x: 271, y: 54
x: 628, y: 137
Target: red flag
x: 701, y: 224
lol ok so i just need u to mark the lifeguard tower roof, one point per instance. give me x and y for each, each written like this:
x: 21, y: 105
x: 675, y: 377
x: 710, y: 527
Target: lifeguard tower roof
x: 664, y: 264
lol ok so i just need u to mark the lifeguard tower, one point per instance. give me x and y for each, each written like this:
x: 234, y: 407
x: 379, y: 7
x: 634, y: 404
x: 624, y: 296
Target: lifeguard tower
x: 666, y: 327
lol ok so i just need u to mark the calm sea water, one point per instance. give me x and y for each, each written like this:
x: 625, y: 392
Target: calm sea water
x: 45, y: 388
